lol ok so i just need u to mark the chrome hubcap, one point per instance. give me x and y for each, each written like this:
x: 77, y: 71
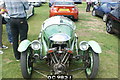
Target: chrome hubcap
x: 109, y: 26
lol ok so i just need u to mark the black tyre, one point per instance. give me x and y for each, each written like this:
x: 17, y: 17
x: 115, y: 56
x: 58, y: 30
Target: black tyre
x: 109, y: 27
x: 75, y: 19
x: 26, y: 63
x: 93, y: 13
x: 93, y: 64
x: 105, y: 17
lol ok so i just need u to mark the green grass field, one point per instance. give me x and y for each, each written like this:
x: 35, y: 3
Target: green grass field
x: 88, y: 28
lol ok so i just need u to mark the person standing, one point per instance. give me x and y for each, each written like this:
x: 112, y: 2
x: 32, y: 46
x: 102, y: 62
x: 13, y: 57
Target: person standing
x: 2, y: 10
x: 94, y: 2
x: 89, y: 4
x: 18, y: 23
x: 1, y: 52
x: 51, y: 2
x: 8, y: 30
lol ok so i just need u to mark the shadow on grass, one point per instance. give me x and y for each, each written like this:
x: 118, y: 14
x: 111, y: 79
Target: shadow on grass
x: 41, y: 69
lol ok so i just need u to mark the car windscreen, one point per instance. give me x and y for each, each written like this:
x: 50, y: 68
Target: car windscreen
x: 58, y: 20
x: 63, y: 3
x: 55, y: 28
x: 104, y: 5
x: 114, y: 4
x: 116, y: 13
x: 119, y: 10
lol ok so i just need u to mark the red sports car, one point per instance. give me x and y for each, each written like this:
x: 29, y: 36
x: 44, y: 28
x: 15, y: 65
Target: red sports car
x: 64, y: 8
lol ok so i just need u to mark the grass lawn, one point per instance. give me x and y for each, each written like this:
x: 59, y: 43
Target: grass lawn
x: 88, y: 28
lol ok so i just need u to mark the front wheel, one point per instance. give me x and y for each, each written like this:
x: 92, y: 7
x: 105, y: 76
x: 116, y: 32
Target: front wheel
x: 26, y: 63
x: 92, y: 64
x: 109, y: 27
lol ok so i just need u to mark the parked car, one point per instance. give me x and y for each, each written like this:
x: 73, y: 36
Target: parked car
x: 30, y: 12
x: 44, y: 1
x: 64, y: 8
x: 35, y: 3
x: 77, y: 1
x: 113, y: 21
x: 103, y: 9
x: 58, y: 46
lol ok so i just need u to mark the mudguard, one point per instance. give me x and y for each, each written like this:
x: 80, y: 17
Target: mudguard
x: 95, y: 46
x: 24, y: 45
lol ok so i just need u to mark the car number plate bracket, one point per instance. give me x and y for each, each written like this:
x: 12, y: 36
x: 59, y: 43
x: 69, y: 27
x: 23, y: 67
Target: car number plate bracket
x: 64, y: 10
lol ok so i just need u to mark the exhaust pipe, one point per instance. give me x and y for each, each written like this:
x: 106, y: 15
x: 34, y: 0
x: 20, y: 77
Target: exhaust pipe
x: 36, y: 56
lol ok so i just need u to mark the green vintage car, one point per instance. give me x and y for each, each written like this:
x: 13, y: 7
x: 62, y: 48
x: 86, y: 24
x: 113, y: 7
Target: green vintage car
x: 58, y: 45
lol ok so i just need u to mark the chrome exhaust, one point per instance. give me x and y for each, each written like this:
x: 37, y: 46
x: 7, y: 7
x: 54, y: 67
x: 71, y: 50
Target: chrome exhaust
x: 36, y: 56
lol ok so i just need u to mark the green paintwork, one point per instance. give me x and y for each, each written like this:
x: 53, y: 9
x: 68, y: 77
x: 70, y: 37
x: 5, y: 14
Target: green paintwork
x: 44, y: 46
x: 95, y: 46
x: 24, y: 45
x: 53, y: 26
x: 54, y: 29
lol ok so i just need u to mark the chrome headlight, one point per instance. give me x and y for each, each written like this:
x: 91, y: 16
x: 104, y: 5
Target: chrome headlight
x: 83, y: 45
x: 35, y: 45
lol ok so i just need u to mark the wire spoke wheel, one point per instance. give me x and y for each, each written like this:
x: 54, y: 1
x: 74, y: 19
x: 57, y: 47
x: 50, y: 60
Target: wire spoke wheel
x: 93, y: 64
x: 26, y: 63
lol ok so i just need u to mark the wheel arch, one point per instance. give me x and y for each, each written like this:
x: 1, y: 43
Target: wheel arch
x: 94, y: 10
x: 95, y: 46
x: 24, y: 45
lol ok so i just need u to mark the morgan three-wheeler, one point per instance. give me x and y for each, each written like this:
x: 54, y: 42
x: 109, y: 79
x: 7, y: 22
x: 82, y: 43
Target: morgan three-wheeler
x: 58, y: 45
